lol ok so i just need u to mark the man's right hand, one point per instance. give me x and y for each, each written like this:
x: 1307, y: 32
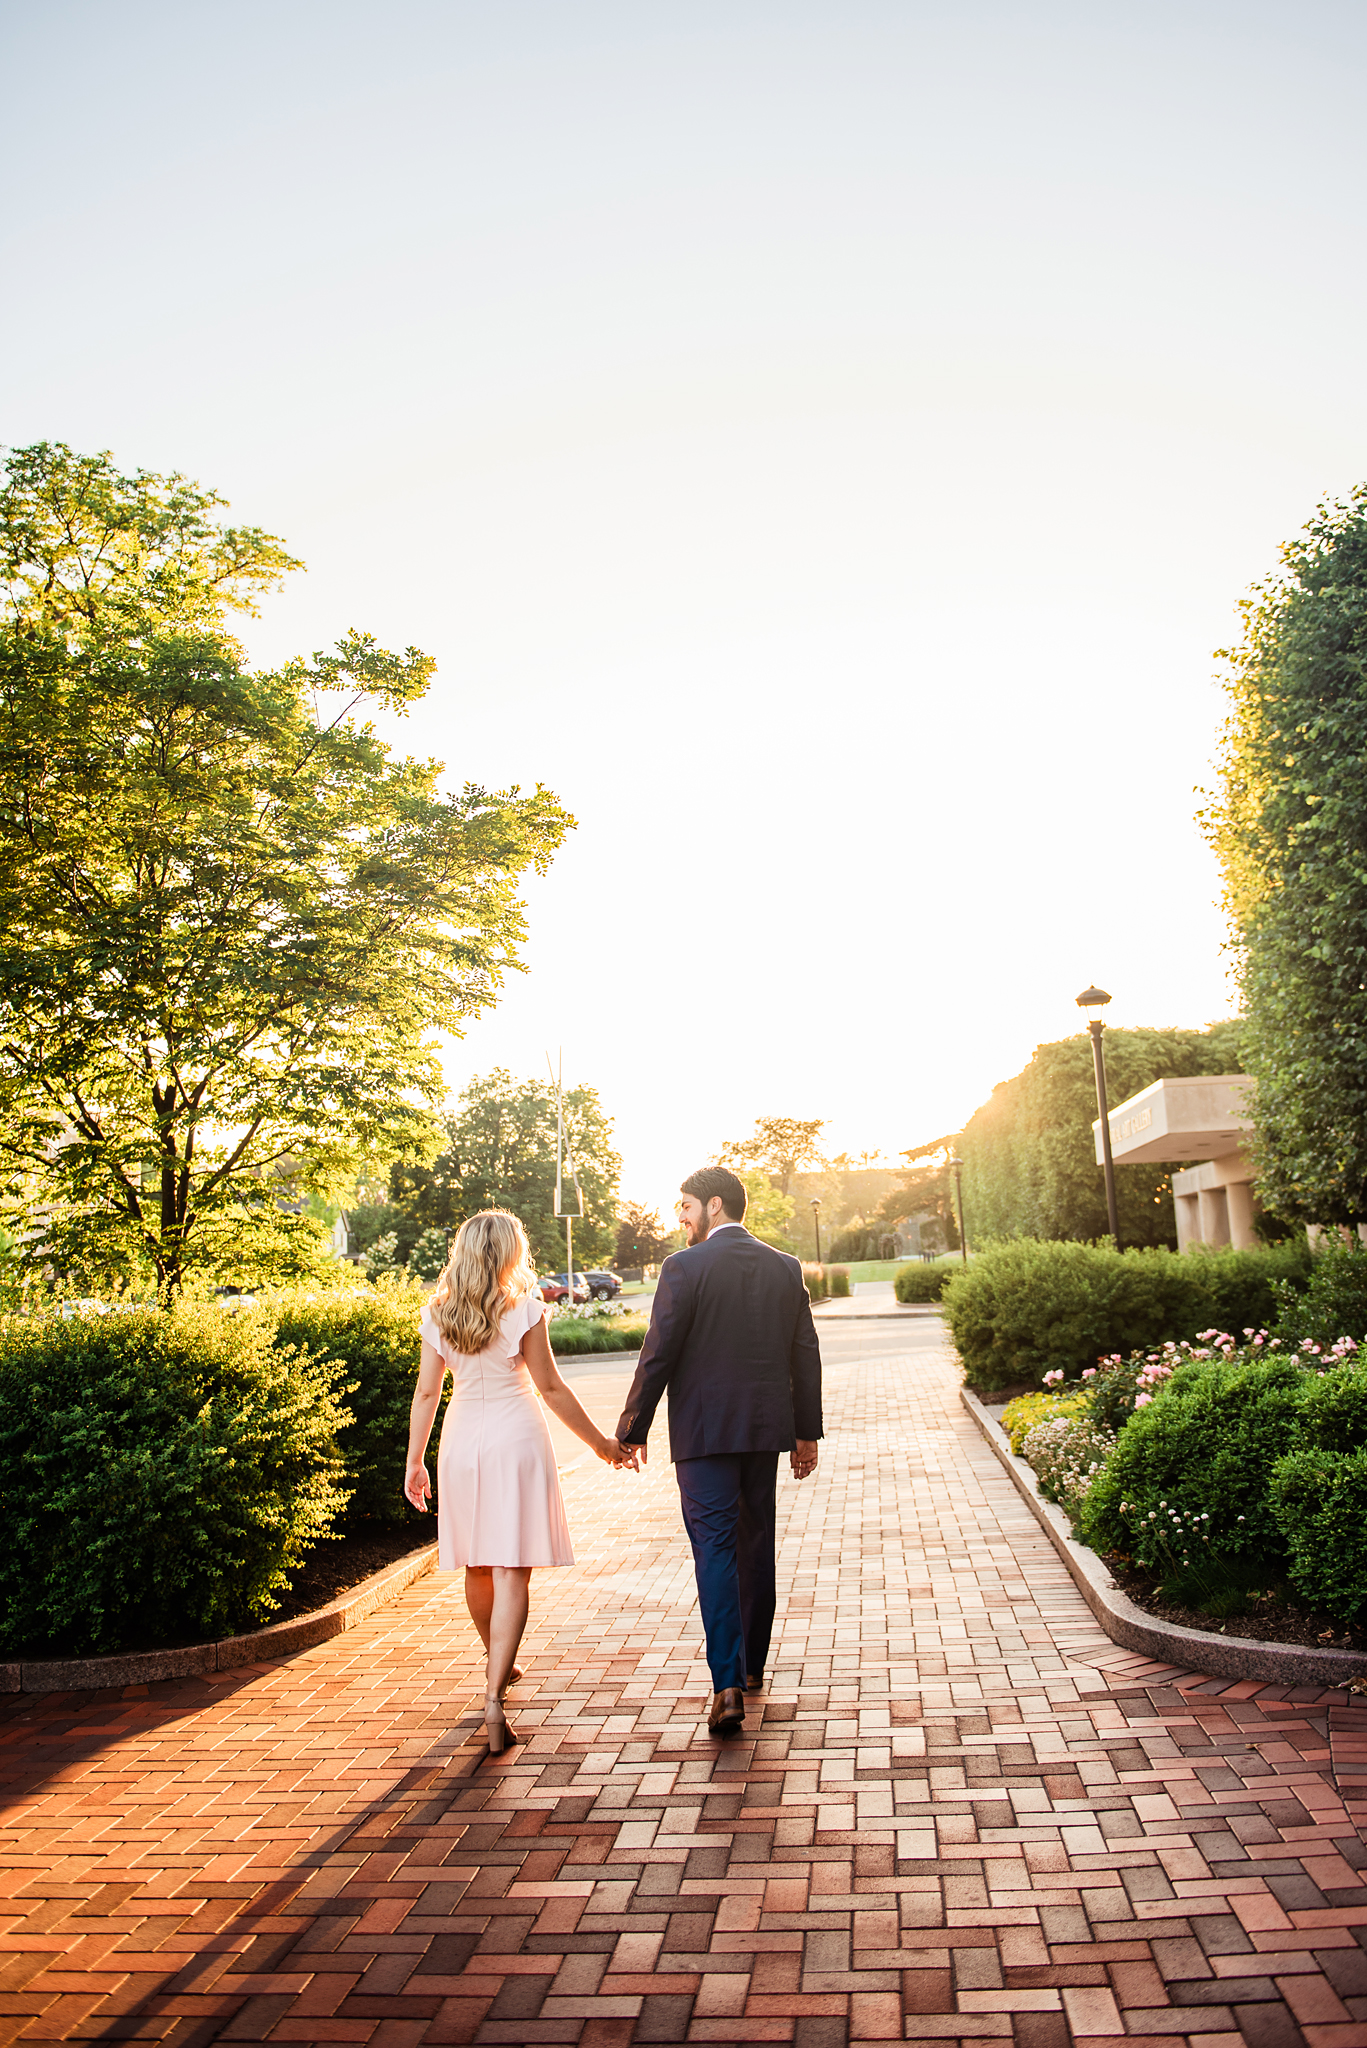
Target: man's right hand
x: 802, y: 1458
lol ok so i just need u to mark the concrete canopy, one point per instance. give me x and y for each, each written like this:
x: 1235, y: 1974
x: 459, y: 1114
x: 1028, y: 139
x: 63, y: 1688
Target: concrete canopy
x: 1189, y: 1116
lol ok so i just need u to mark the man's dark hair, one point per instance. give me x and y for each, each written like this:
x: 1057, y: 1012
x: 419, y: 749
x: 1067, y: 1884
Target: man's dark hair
x: 718, y: 1180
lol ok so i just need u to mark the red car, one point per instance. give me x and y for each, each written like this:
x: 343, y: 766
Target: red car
x: 555, y: 1286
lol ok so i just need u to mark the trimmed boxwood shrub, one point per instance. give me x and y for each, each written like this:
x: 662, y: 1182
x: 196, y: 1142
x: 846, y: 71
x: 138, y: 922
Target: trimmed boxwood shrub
x: 373, y: 1337
x: 1242, y: 1471
x: 1319, y: 1492
x: 1332, y: 1303
x: 161, y: 1474
x: 1028, y: 1307
x: 1205, y: 1446
x: 920, y: 1282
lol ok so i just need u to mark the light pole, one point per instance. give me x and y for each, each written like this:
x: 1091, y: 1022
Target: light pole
x: 1094, y: 1001
x: 958, y: 1167
x: 816, y: 1224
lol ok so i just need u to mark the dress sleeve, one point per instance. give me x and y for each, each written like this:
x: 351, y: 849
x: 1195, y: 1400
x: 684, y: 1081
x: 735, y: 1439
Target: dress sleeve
x: 535, y: 1309
x: 430, y: 1333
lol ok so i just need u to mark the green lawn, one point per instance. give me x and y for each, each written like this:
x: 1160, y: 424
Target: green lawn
x: 884, y: 1269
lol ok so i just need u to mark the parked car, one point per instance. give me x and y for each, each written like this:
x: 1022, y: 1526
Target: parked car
x: 555, y: 1286
x: 604, y: 1286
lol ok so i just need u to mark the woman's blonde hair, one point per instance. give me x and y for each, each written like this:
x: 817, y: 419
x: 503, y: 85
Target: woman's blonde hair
x: 489, y: 1269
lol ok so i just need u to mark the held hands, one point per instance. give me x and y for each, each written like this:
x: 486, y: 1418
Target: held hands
x: 622, y: 1457
x: 802, y: 1458
x: 417, y: 1486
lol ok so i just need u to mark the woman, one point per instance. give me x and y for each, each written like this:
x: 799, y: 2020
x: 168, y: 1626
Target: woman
x: 499, y: 1510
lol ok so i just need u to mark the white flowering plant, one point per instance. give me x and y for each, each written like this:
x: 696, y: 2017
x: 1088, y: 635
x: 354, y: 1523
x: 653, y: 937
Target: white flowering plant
x: 568, y: 1311
x: 1183, y: 1547
x: 1067, y: 1453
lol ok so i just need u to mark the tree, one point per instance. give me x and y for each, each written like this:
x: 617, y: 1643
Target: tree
x: 927, y: 1190
x: 499, y: 1153
x: 1029, y: 1154
x: 229, y: 921
x: 642, y: 1239
x: 1289, y: 825
x: 778, y: 1145
x: 768, y: 1211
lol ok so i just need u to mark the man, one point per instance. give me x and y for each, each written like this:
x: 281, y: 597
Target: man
x: 731, y: 1337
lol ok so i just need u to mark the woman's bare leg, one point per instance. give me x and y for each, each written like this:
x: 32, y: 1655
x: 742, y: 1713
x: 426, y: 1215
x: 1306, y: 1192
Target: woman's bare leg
x: 506, y: 1623
x: 479, y: 1597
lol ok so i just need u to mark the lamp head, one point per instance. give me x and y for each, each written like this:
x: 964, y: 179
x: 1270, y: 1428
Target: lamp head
x: 955, y: 1161
x: 816, y: 1201
x: 1093, y: 1001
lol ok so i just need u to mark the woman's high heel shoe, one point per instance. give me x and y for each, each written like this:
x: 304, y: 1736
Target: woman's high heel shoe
x: 500, y: 1735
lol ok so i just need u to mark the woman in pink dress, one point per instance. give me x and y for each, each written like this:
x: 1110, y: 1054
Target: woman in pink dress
x: 499, y: 1509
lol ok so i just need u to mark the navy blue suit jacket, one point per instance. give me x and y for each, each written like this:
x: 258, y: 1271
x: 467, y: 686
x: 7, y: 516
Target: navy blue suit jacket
x: 731, y: 1337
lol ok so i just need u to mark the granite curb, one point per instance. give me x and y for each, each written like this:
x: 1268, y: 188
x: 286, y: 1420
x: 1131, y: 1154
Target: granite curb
x: 870, y: 1315
x: 229, y: 1653
x: 577, y: 1358
x: 1191, y: 1648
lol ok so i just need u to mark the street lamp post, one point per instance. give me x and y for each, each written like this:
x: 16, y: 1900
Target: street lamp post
x: 958, y: 1167
x: 816, y: 1224
x: 1094, y: 1001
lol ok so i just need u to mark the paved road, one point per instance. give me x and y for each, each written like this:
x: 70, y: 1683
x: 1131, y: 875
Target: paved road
x: 958, y: 1814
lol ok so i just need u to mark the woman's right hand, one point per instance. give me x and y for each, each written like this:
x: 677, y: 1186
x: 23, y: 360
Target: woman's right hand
x: 417, y: 1486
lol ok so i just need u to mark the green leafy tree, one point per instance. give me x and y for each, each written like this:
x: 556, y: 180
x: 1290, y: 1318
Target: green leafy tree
x: 927, y: 1190
x: 642, y: 1239
x: 768, y: 1211
x: 230, y: 918
x: 778, y: 1146
x: 1290, y: 827
x: 1029, y: 1154
x: 499, y: 1153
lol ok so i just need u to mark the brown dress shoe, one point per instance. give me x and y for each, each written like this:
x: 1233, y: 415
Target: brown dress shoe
x: 728, y: 1711
x: 754, y: 1681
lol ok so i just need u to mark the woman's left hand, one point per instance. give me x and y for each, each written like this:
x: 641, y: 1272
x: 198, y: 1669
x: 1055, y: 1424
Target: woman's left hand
x: 417, y: 1486
x: 622, y: 1457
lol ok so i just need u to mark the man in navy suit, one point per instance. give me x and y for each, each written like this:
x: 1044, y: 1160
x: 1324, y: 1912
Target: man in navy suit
x: 732, y: 1339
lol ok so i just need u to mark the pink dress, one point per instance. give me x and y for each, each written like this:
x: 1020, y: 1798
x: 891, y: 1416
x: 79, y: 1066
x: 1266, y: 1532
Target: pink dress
x: 498, y: 1492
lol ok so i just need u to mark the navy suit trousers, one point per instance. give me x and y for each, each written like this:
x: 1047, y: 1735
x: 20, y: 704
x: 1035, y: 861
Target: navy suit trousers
x: 728, y: 1511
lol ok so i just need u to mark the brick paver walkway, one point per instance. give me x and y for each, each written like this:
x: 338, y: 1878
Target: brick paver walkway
x: 959, y: 1815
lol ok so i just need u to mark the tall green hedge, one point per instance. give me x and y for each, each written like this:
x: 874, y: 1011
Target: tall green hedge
x: 1024, y: 1308
x: 1029, y: 1155
x: 372, y: 1338
x: 161, y: 1473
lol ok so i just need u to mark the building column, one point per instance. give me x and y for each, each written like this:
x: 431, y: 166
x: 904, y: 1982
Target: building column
x: 1239, y: 1199
x: 1188, y: 1209
x: 1214, y: 1216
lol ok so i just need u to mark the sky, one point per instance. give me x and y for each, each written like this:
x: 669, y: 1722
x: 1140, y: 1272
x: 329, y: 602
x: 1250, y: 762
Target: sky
x: 825, y: 443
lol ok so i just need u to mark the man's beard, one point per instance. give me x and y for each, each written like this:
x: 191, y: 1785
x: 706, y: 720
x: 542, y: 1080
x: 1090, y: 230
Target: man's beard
x: 696, y: 1232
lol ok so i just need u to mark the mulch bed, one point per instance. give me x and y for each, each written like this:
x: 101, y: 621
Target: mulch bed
x: 1273, y: 1619
x: 331, y: 1569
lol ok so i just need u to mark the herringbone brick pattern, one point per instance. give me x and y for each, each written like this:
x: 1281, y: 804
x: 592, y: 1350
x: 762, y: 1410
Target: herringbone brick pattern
x: 959, y: 1813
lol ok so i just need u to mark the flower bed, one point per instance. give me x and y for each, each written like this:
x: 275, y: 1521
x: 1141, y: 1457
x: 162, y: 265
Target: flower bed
x: 577, y: 1330
x: 1231, y: 1474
